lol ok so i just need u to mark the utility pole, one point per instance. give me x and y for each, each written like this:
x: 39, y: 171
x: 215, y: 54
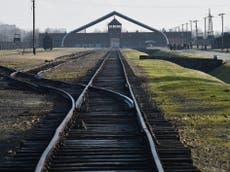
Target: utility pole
x: 179, y: 35
x: 191, y: 44
x: 174, y: 36
x: 191, y: 25
x: 182, y: 34
x: 210, y: 27
x: 187, y: 35
x: 205, y: 33
x: 222, y: 20
x: 34, y: 36
x: 197, y: 45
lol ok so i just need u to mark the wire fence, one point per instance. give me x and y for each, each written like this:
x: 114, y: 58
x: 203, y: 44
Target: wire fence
x: 13, y: 45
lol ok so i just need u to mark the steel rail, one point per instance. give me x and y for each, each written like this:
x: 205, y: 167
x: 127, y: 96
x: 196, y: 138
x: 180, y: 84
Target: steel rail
x: 7, y: 69
x: 117, y: 95
x: 57, y: 136
x: 38, y: 86
x: 142, y: 122
x: 81, y: 97
x: 59, y: 131
x: 29, y: 84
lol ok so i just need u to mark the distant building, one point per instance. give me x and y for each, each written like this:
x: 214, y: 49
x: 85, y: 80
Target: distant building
x: 114, y: 37
x: 8, y: 32
x: 55, y: 30
x: 10, y: 37
x: 217, y: 44
x: 56, y: 37
x: 179, y: 38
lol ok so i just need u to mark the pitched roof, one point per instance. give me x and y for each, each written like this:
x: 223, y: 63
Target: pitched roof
x: 114, y: 22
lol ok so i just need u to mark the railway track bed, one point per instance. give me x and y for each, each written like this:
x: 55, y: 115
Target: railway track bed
x: 104, y: 129
x: 107, y: 138
x: 22, y: 109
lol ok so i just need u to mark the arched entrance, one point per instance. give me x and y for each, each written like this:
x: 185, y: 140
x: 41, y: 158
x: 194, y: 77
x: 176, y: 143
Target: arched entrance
x: 115, y: 41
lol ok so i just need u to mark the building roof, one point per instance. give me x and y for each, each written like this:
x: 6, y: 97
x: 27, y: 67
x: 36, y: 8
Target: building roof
x: 114, y: 22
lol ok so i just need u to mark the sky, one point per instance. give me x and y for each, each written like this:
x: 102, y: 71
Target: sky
x: 71, y: 14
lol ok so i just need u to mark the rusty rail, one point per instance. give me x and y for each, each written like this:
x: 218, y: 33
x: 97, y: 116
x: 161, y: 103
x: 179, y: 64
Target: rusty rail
x: 57, y: 136
x: 142, y: 122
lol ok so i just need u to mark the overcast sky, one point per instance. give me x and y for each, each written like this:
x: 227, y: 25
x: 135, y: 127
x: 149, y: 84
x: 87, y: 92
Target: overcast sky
x: 71, y: 14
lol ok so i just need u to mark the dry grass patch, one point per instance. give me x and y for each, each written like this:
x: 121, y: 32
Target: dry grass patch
x: 15, y: 59
x: 175, y: 53
x: 71, y: 71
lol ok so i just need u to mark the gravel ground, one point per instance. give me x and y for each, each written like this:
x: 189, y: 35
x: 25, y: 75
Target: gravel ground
x: 20, y: 111
x: 75, y: 69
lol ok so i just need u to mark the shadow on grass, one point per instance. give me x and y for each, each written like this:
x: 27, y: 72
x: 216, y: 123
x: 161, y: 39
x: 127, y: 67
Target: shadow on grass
x: 222, y: 73
x: 179, y: 78
x: 201, y: 109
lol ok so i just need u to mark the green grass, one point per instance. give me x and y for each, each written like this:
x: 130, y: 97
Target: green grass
x: 172, y: 53
x: 222, y: 72
x: 197, y: 103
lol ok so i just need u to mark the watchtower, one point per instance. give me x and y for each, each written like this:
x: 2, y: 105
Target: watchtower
x: 114, y: 37
x: 114, y: 30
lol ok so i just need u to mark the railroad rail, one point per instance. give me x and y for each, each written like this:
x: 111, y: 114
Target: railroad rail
x: 174, y: 155
x: 31, y: 148
x: 104, y: 129
x: 109, y: 135
x: 34, y: 143
x: 4, y: 71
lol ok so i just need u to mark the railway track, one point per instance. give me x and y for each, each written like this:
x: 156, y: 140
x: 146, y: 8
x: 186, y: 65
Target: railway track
x: 108, y: 136
x: 175, y: 156
x: 4, y: 71
x: 103, y: 131
x: 32, y: 146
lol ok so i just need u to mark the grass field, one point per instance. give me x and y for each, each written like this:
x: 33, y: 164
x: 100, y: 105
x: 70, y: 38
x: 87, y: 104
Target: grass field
x: 222, y: 72
x: 15, y: 59
x: 171, y: 53
x: 198, y: 105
